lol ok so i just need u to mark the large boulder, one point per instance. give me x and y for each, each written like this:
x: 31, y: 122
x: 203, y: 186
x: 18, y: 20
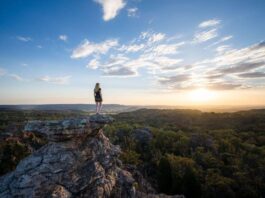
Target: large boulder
x: 77, y: 161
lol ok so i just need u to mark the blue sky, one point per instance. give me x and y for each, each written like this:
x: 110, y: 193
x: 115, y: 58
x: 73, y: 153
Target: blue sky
x: 141, y: 51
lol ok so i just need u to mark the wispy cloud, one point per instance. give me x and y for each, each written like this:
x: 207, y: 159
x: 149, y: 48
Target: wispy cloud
x: 241, y: 67
x: 87, y: 48
x: 223, y: 48
x: 174, y: 79
x: 93, y: 64
x: 63, y: 37
x: 131, y: 48
x: 114, y: 67
x: 161, y: 57
x: 245, y: 63
x: 164, y: 62
x: 188, y: 82
x: 240, y: 59
x: 207, y: 30
x: 156, y: 37
x: 230, y: 69
x: 24, y: 39
x: 224, y: 86
x: 16, y: 77
x: 253, y: 75
x: 152, y: 37
x: 110, y: 8
x: 132, y: 12
x: 203, y: 36
x: 150, y: 50
x: 120, y: 72
x: 226, y: 38
x: 60, y: 80
x: 167, y: 48
x: 209, y: 23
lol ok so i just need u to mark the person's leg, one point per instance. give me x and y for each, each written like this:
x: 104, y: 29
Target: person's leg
x: 100, y: 106
x: 96, y: 107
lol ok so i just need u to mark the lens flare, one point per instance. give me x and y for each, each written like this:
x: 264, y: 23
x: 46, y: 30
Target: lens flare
x: 201, y: 95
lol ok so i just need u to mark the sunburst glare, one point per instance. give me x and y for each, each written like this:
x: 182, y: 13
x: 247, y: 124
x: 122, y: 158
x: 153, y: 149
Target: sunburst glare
x: 202, y: 95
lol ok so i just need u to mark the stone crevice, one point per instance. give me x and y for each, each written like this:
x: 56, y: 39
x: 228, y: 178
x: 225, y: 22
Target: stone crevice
x: 78, y: 161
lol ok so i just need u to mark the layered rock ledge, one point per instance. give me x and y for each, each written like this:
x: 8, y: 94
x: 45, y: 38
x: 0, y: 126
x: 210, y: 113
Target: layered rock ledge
x: 78, y: 161
x: 61, y: 130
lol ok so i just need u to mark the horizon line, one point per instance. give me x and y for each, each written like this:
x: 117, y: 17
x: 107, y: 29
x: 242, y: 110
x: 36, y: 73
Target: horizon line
x: 202, y: 105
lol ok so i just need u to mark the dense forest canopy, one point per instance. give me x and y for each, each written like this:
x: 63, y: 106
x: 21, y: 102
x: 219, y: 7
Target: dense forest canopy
x: 186, y: 152
x: 195, y: 153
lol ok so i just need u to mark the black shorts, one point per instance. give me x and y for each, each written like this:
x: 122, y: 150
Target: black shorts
x: 98, y: 99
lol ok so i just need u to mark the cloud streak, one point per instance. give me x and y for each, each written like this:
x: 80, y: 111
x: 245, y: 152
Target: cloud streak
x: 120, y: 72
x: 167, y: 48
x: 174, y: 79
x: 241, y: 67
x: 60, y: 80
x: 16, y: 77
x: 87, y: 48
x: 24, y: 39
x: 252, y: 75
x: 204, y: 36
x: 132, y: 48
x: 226, y: 38
x: 209, y: 23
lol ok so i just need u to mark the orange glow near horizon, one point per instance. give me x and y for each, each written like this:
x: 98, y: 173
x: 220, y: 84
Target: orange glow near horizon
x: 202, y: 95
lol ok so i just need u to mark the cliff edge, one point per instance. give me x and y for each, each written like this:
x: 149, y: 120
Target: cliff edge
x: 77, y: 161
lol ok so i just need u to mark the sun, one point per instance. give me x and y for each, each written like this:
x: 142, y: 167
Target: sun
x: 201, y: 95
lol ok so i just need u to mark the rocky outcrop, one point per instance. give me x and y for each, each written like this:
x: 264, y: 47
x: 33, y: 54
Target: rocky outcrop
x: 77, y: 161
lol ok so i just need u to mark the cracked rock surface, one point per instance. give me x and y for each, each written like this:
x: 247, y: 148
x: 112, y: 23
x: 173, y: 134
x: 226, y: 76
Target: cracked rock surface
x: 78, y: 161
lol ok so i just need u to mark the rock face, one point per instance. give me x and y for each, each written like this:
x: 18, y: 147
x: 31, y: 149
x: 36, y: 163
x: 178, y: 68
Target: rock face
x: 78, y: 161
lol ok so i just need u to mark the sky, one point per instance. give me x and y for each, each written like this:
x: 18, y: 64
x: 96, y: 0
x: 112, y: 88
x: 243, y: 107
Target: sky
x: 142, y: 52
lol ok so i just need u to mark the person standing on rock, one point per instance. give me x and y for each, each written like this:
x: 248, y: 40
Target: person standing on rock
x: 98, y: 98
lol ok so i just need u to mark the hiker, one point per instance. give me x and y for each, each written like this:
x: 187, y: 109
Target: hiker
x: 98, y: 98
